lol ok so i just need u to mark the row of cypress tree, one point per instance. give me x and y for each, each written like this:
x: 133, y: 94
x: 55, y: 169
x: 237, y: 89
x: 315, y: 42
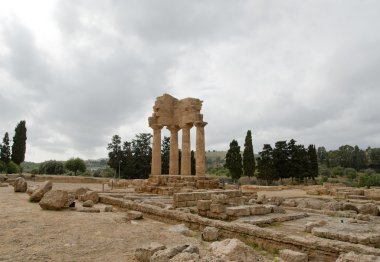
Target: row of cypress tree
x: 16, y: 156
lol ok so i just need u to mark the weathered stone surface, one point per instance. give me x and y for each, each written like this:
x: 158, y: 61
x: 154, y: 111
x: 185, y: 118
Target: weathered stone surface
x: 233, y: 250
x: 217, y: 208
x: 238, y: 211
x: 203, y: 204
x: 181, y: 228
x: 20, y: 185
x: 40, y: 191
x: 372, y: 193
x: 262, y: 199
x: 143, y: 254
x: 88, y: 210
x: 80, y: 192
x: 54, y: 200
x: 166, y: 254
x: 90, y: 195
x: 31, y: 189
x: 333, y: 206
x: 369, y: 209
x: 134, y: 215
x: 276, y: 209
x: 276, y: 200
x: 88, y: 203
x: 311, y: 203
x: 219, y: 199
x: 353, y: 257
x: 108, y: 208
x: 210, y: 234
x: 292, y: 256
x: 260, y: 210
x: 185, y: 257
x: 4, y: 184
x: 349, y: 206
x: 289, y: 203
x: 310, y: 225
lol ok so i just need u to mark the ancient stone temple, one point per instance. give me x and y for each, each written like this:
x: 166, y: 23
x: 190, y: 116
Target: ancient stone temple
x: 178, y: 115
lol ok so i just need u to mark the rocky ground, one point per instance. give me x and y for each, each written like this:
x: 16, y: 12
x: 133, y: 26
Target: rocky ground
x: 28, y: 233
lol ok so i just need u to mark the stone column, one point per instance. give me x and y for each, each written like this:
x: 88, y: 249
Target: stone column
x: 156, y: 150
x: 186, y: 150
x: 173, y: 162
x: 200, y: 161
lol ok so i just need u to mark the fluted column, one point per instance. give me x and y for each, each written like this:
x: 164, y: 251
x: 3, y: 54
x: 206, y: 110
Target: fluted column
x: 186, y: 150
x: 173, y: 160
x: 200, y: 160
x: 156, y: 150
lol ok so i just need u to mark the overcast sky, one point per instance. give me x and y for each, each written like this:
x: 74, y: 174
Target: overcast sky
x: 81, y: 71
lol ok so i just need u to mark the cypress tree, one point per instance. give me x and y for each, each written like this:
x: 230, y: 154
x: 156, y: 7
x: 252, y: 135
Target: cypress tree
x: 234, y: 161
x: 313, y: 161
x: 249, y: 164
x: 265, y: 165
x: 19, y: 143
x: 5, y: 149
x: 165, y: 152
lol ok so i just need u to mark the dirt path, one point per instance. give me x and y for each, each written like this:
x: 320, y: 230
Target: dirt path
x: 28, y: 233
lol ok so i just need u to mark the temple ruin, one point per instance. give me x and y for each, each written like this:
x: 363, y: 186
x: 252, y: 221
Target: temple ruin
x: 177, y: 115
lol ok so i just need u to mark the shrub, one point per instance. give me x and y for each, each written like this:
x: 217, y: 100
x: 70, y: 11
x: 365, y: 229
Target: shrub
x: 97, y: 173
x: 13, y: 168
x: 337, y: 171
x: 75, y: 165
x: 86, y: 173
x: 107, y: 172
x: 324, y: 171
x: 350, y: 173
x: 369, y: 171
x: 324, y: 179
x: 2, y: 166
x: 369, y: 180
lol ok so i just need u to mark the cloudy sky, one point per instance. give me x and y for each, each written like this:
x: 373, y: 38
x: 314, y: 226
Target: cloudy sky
x: 81, y: 71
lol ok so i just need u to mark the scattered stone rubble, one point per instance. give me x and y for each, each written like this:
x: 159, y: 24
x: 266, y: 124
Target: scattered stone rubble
x: 20, y: 185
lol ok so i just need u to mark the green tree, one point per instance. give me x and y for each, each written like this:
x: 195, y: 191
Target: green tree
x: 3, y: 167
x: 234, y: 161
x: 115, y: 153
x: 323, y: 157
x: 265, y: 165
x: 313, y: 161
x: 75, y: 165
x: 51, y: 167
x: 5, y: 149
x: 127, y: 168
x: 281, y: 160
x: 165, y: 152
x: 13, y: 168
x: 249, y: 164
x: 192, y: 161
x: 142, y: 154
x: 19, y: 143
x: 346, y: 154
x: 298, y: 161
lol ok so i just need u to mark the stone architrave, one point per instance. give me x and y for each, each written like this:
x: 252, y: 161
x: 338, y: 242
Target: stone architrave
x: 175, y: 114
x: 173, y: 159
x: 186, y: 150
x: 156, y: 150
x: 200, y: 161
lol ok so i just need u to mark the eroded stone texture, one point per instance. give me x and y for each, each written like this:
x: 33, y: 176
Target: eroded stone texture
x: 175, y: 115
x: 143, y: 254
x: 210, y: 234
x: 292, y: 256
x: 54, y: 200
x: 40, y: 191
x: 234, y: 250
x: 20, y: 185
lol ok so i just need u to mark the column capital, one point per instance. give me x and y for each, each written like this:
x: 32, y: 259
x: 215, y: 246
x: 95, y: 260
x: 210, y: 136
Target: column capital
x: 156, y: 127
x: 186, y: 126
x: 200, y: 124
x: 173, y: 128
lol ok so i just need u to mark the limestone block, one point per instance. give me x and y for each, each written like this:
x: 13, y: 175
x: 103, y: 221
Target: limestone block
x: 143, y: 254
x: 275, y: 208
x: 185, y: 257
x: 40, y: 191
x: 203, y: 204
x: 236, y: 201
x: 210, y: 234
x: 182, y: 229
x: 333, y: 206
x: 184, y: 197
x: 353, y: 257
x: 238, y: 211
x: 260, y: 210
x: 233, y: 250
x: 165, y: 255
x: 349, y: 206
x: 292, y: 256
x: 108, y: 209
x: 310, y: 225
x: 369, y: 209
x: 88, y: 210
x: 54, y: 200
x: 80, y: 192
x: 90, y: 195
x: 191, y: 203
x: 88, y: 203
x: 134, y: 215
x: 20, y: 185
x: 372, y: 193
x: 289, y: 203
x: 217, y: 208
x: 219, y: 199
x: 202, y: 196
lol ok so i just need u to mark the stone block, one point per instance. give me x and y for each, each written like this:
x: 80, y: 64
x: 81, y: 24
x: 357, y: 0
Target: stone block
x: 134, y: 215
x: 191, y: 203
x: 210, y: 234
x: 219, y: 199
x: 238, y: 211
x: 217, y: 208
x: 203, y: 204
x: 143, y: 254
x: 260, y: 210
x: 293, y: 256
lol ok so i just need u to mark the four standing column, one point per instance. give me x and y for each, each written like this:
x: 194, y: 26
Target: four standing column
x: 156, y: 150
x: 173, y: 160
x: 200, y: 161
x: 186, y: 150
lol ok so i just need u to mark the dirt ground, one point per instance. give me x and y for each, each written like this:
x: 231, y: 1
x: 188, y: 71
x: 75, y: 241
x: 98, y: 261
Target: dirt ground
x: 28, y: 233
